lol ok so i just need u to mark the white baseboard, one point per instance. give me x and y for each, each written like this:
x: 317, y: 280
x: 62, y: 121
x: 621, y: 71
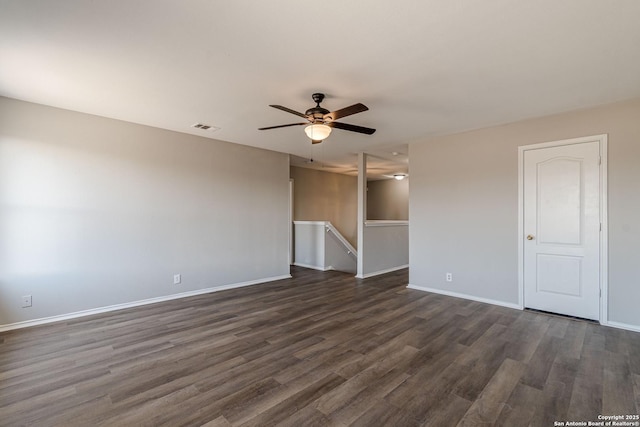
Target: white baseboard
x: 99, y: 310
x: 379, y: 272
x: 313, y: 267
x: 620, y: 325
x: 465, y: 296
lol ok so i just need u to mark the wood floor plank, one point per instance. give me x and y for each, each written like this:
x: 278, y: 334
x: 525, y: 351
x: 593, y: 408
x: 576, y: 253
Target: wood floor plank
x: 354, y: 407
x: 520, y: 407
x: 361, y: 380
x: 554, y: 404
x: 386, y: 414
x: 541, y: 362
x: 617, y: 393
x: 587, y: 391
x: 484, y: 369
x: 636, y: 391
x: 488, y: 406
x: 418, y: 399
x: 308, y: 417
x: 321, y: 349
x: 448, y: 412
x: 634, y: 352
x: 558, y: 389
x: 218, y: 422
x: 573, y: 340
x: 302, y: 400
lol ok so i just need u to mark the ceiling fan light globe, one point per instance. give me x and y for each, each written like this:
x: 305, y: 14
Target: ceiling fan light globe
x: 317, y: 132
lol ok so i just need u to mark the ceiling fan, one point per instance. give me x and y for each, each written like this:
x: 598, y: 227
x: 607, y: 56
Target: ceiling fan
x: 320, y: 121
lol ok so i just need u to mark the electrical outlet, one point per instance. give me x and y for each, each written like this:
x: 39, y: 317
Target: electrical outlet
x: 177, y: 279
x: 26, y: 301
x: 449, y: 277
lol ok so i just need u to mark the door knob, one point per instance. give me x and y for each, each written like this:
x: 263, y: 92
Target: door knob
x: 530, y: 237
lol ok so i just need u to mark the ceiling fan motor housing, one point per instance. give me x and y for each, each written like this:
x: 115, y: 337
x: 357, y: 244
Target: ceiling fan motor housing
x: 317, y: 112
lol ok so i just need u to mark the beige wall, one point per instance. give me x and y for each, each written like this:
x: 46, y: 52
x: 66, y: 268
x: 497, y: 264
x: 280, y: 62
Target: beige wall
x: 388, y: 199
x: 464, y: 205
x: 97, y: 212
x: 325, y: 196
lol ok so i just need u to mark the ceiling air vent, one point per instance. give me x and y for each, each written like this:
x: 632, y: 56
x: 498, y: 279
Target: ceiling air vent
x: 204, y: 127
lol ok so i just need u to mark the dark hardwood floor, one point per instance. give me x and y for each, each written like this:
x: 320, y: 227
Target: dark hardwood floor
x: 320, y: 349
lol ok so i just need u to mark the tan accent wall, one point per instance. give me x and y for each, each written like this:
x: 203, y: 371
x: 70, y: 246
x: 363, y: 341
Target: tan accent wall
x: 325, y: 196
x: 388, y: 199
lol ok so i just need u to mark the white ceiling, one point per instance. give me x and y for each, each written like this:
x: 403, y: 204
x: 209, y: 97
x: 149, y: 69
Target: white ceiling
x: 423, y: 68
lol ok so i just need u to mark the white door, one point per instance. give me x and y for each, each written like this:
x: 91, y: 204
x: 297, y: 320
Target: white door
x: 562, y: 229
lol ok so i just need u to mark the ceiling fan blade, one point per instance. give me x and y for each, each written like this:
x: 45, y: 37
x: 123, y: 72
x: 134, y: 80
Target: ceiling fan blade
x: 347, y: 111
x: 288, y: 110
x: 352, y: 128
x: 316, y: 141
x: 283, y: 126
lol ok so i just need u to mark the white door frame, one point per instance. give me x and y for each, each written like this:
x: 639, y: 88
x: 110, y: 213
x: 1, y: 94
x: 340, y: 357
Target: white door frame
x: 604, y: 265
